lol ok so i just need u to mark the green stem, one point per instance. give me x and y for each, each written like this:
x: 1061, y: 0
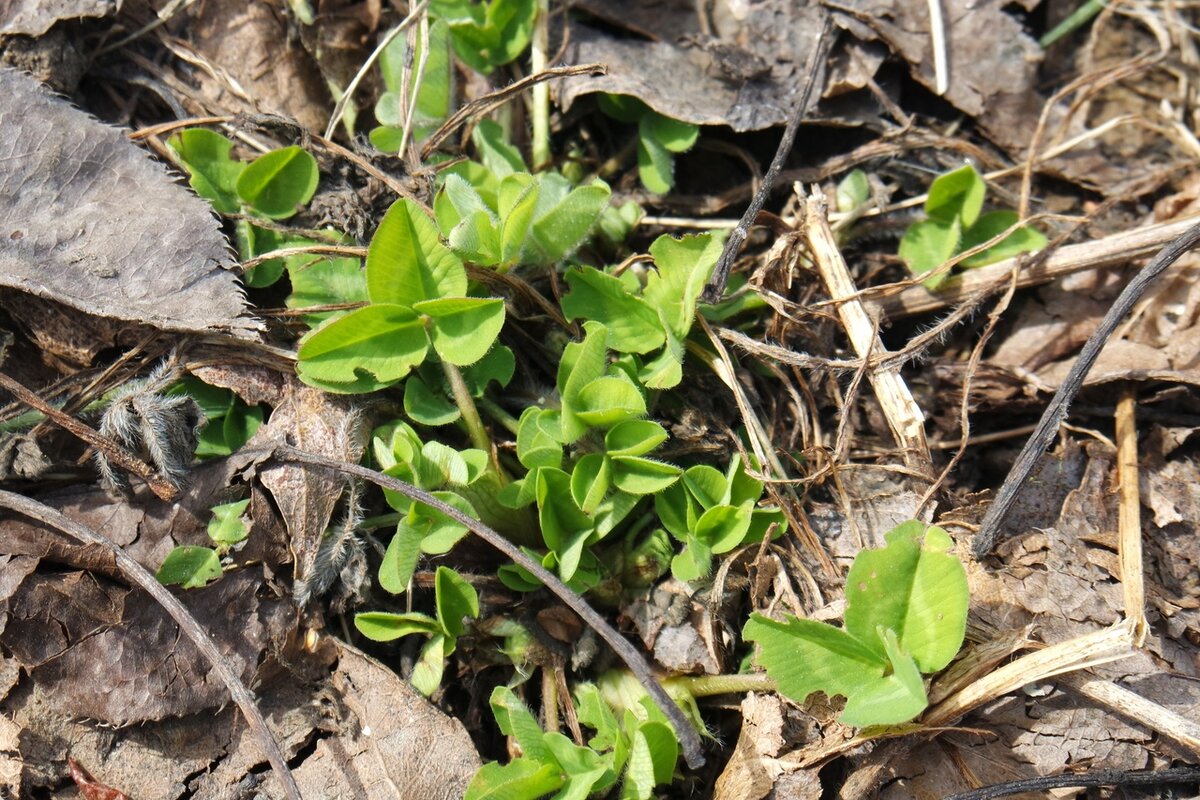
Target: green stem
x: 497, y: 413
x: 466, y: 405
x: 382, y: 521
x: 541, y: 92
x: 708, y: 685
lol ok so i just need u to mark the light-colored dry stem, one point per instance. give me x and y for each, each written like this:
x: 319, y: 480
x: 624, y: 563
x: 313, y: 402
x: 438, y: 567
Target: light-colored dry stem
x: 904, y: 416
x: 1129, y: 519
x: 1111, y: 251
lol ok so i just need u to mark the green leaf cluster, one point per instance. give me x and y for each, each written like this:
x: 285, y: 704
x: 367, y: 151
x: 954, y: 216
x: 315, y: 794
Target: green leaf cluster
x: 711, y: 512
x: 660, y: 139
x: 906, y: 614
x: 487, y: 34
x: 654, y: 317
x: 419, y: 301
x: 496, y: 214
x: 454, y: 601
x: 638, y: 752
x: 436, y: 468
x: 954, y: 224
x: 192, y: 566
x: 582, y: 501
x: 273, y: 186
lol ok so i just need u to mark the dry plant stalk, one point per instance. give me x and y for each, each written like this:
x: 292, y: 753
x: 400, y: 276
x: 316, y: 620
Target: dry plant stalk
x: 904, y: 416
x: 1129, y: 521
x: 1111, y: 251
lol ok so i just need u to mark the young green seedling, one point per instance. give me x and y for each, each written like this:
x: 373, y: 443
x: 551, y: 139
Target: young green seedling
x: 487, y: 34
x: 639, y: 752
x: 906, y: 614
x: 192, y: 566
x: 954, y: 225
x: 641, y: 319
x: 455, y: 600
x: 660, y: 139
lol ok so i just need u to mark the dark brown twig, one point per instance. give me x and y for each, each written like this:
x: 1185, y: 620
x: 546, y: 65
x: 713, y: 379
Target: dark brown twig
x: 1100, y: 777
x: 689, y: 737
x: 138, y: 576
x: 162, y: 488
x: 1056, y: 412
x: 716, y: 284
x: 483, y: 105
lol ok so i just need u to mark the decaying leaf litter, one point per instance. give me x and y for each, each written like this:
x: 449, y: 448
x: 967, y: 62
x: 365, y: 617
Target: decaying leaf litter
x: 863, y: 398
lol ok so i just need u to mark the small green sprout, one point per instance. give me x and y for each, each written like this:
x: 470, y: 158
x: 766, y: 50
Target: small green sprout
x: 660, y: 139
x: 954, y: 225
x: 192, y: 566
x: 455, y: 600
x: 638, y: 751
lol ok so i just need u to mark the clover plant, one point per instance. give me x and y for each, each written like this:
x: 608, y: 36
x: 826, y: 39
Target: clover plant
x: 954, y: 225
x: 712, y: 513
x: 419, y: 302
x: 638, y: 751
x: 455, y: 600
x: 192, y: 566
x: 273, y: 186
x: 660, y: 139
x: 642, y: 317
x: 487, y: 34
x: 496, y: 214
x: 460, y: 478
x: 906, y: 614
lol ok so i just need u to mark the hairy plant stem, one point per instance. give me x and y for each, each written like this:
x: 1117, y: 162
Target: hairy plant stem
x: 540, y: 100
x: 470, y: 414
x: 709, y: 685
x: 497, y: 413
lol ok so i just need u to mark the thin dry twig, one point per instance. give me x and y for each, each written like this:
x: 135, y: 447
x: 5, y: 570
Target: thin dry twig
x: 139, y: 576
x: 716, y: 284
x: 340, y: 107
x: 689, y: 738
x: 1129, y: 522
x: 493, y: 100
x: 1056, y: 411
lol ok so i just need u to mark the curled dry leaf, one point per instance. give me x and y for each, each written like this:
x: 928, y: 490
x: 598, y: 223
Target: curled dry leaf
x: 317, y: 423
x: 35, y: 17
x: 90, y: 221
x: 695, y: 80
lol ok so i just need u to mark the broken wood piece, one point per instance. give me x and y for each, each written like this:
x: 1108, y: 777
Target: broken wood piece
x: 1111, y: 251
x: 904, y: 416
x: 1129, y: 520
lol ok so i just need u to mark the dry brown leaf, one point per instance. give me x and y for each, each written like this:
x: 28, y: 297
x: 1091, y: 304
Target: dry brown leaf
x: 93, y: 223
x: 391, y: 744
x: 257, y: 70
x: 108, y: 653
x: 687, y: 80
x: 992, y: 66
x: 35, y: 17
x: 319, y: 423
